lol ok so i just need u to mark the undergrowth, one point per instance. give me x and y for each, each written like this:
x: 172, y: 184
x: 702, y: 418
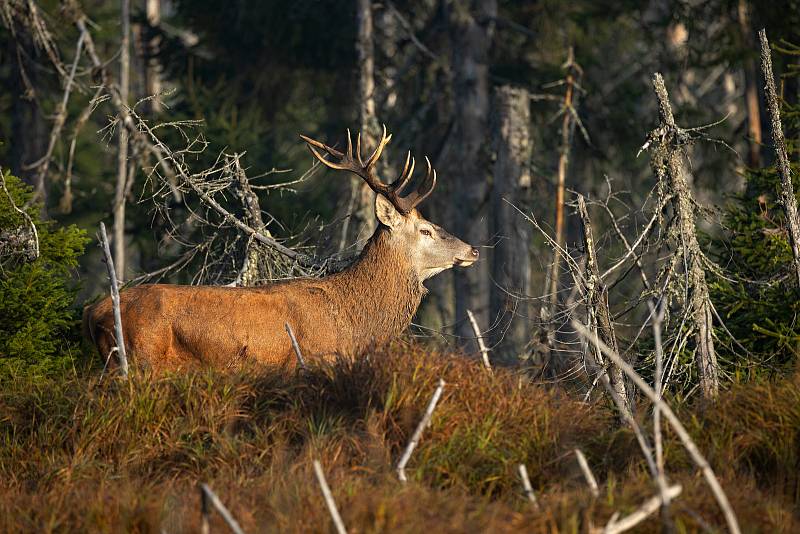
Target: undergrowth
x: 78, y: 454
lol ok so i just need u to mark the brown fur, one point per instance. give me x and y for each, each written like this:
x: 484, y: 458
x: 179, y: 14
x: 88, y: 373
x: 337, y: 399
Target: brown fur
x: 172, y: 327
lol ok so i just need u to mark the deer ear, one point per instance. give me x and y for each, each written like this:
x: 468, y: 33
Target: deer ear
x: 386, y: 212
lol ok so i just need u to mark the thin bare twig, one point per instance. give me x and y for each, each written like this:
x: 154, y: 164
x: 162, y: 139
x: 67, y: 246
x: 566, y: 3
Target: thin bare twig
x: 426, y: 419
x: 657, y: 313
x: 615, y: 526
x: 300, y: 361
x: 60, y: 117
x: 112, y: 276
x: 587, y: 473
x: 526, y: 484
x: 207, y: 496
x: 680, y: 430
x: 326, y: 492
x: 481, y: 343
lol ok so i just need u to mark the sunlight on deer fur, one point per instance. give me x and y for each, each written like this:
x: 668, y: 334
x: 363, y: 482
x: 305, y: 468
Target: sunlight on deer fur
x: 168, y: 327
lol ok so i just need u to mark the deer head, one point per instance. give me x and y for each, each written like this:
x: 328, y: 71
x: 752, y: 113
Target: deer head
x: 429, y: 247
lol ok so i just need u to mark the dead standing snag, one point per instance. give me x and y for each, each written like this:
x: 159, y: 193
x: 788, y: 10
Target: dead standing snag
x: 666, y: 145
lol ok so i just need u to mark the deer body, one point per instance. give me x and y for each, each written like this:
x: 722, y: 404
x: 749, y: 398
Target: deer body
x: 168, y: 327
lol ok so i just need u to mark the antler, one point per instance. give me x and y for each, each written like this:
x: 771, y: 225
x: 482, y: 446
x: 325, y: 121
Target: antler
x: 347, y: 161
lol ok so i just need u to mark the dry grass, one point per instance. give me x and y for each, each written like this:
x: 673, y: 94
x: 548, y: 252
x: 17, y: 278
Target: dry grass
x: 76, y: 455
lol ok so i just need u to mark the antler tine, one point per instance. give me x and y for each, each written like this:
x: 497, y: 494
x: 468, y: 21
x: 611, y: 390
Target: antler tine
x: 311, y: 143
x: 412, y: 200
x: 379, y: 149
x: 405, y: 176
x: 348, y: 161
x: 349, y: 153
x: 430, y: 178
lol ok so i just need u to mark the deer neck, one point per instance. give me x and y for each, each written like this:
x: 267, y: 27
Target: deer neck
x: 380, y: 291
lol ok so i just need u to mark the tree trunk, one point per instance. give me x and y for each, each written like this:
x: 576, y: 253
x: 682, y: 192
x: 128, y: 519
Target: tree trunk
x: 361, y: 221
x: 550, y: 309
x: 470, y: 29
x: 788, y: 198
x: 670, y: 168
x: 122, y: 154
x: 751, y: 88
x: 152, y: 74
x: 511, y: 265
x: 28, y: 129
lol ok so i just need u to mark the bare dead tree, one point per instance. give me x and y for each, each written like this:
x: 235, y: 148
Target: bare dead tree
x: 788, y: 198
x: 511, y: 255
x: 549, y: 310
x: 122, y: 150
x: 597, y: 311
x: 42, y: 165
x: 689, y: 444
x: 145, y: 146
x: 666, y: 144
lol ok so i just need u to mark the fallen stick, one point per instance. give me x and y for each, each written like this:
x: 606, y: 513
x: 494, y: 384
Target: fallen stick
x: 680, y: 430
x: 658, y: 318
x: 206, y: 496
x: 481, y: 344
x: 526, y: 484
x: 587, y: 473
x: 296, y: 347
x: 112, y: 275
x: 326, y: 492
x: 426, y: 419
x: 615, y: 526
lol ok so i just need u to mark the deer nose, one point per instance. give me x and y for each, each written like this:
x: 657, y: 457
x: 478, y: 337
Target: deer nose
x: 475, y: 253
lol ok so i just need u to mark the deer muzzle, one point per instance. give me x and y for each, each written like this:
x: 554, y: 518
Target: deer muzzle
x: 471, y: 258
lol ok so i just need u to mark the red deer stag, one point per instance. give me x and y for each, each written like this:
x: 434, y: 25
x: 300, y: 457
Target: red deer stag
x: 169, y: 327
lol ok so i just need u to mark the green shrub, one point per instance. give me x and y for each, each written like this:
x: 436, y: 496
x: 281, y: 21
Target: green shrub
x: 760, y: 302
x: 38, y: 323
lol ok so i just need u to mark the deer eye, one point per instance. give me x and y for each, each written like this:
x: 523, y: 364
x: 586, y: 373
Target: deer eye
x: 426, y: 232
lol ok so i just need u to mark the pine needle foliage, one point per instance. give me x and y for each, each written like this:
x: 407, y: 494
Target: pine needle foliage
x: 38, y: 322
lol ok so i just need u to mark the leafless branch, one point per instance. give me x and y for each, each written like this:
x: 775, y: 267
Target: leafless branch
x: 208, y: 496
x: 326, y: 492
x: 412, y: 444
x: 481, y: 343
x: 615, y: 525
x: 112, y: 276
x: 587, y: 473
x: 300, y: 361
x: 680, y: 430
x: 526, y: 484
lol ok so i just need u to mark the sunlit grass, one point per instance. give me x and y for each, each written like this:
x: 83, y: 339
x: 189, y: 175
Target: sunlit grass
x: 80, y: 455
